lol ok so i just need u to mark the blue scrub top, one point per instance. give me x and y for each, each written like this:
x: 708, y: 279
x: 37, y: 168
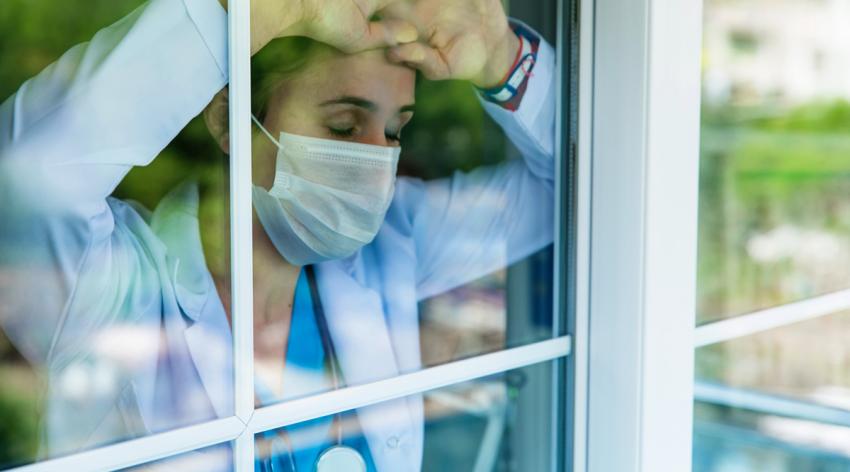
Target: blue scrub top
x: 305, y: 351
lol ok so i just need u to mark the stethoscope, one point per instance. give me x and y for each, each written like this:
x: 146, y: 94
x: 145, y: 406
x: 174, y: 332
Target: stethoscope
x: 339, y: 457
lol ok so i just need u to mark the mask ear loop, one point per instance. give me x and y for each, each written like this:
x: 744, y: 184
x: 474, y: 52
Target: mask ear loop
x: 264, y: 130
x: 280, y: 178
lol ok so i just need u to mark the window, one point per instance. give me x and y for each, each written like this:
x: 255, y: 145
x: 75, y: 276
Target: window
x: 89, y: 278
x: 474, y: 425
x: 139, y: 332
x: 773, y: 275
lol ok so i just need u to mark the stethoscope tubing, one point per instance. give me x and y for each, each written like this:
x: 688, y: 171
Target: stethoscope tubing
x: 268, y: 465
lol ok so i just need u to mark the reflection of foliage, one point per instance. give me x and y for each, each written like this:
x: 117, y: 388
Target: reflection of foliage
x: 819, y: 117
x: 18, y: 426
x: 34, y: 33
x: 18, y: 408
x: 449, y: 119
x: 193, y: 153
x: 761, y: 169
x: 743, y: 41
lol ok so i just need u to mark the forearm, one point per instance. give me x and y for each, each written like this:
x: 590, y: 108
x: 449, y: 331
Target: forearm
x: 531, y: 126
x: 474, y: 223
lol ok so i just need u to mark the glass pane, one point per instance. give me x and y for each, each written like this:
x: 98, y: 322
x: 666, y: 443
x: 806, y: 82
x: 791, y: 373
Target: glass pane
x: 774, y: 217
x: 402, y: 221
x: 217, y: 458
x: 808, y: 360
x: 733, y: 440
x: 497, y: 423
x: 114, y: 228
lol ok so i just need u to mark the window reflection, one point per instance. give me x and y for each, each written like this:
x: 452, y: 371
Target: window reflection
x: 774, y: 167
x: 217, y: 458
x: 111, y: 325
x: 773, y: 229
x: 114, y: 270
x: 731, y: 439
x: 487, y: 424
x: 808, y: 361
x: 446, y: 261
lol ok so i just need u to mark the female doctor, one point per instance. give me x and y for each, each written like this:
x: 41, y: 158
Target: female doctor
x: 346, y: 252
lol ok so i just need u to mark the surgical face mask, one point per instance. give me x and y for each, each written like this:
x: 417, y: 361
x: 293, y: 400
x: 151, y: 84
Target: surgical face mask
x: 329, y: 197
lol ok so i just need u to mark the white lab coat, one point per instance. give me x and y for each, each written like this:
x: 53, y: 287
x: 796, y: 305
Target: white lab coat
x: 116, y: 303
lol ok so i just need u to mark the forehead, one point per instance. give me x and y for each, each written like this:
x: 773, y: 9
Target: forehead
x: 367, y: 74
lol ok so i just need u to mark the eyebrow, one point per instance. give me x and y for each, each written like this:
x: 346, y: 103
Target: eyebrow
x: 362, y: 103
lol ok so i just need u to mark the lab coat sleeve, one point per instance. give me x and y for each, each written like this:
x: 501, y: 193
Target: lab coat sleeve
x: 472, y: 224
x: 67, y: 138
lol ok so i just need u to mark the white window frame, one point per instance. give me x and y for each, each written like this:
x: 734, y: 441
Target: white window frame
x: 770, y: 318
x: 248, y: 420
x: 644, y: 152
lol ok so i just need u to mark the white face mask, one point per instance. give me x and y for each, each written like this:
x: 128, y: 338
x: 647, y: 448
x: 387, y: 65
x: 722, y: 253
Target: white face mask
x: 329, y: 197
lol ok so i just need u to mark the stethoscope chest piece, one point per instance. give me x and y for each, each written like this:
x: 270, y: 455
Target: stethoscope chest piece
x: 340, y: 459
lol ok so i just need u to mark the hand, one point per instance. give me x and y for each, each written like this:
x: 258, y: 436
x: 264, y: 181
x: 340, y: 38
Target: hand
x: 346, y: 25
x: 343, y: 24
x: 462, y: 39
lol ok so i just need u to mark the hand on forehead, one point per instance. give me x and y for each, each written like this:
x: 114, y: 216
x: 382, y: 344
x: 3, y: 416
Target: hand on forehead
x: 458, y: 39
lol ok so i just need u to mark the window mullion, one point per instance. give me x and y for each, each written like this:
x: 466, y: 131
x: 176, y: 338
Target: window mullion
x: 145, y: 449
x: 771, y: 318
x: 163, y: 445
x: 328, y: 403
x: 240, y: 206
x: 243, y: 451
x: 242, y: 290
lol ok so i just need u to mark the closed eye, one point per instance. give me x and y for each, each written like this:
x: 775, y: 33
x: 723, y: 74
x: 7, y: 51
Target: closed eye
x: 341, y: 132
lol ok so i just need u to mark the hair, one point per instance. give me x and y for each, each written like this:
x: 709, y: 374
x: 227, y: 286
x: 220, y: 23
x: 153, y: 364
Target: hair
x: 277, y: 62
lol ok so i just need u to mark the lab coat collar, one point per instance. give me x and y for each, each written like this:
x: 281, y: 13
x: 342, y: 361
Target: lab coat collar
x: 175, y: 222
x: 357, y: 326
x: 208, y: 338
x: 211, y: 349
x: 362, y: 340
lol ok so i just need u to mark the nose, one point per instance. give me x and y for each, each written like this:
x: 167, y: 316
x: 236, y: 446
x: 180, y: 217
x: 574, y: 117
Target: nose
x: 376, y: 137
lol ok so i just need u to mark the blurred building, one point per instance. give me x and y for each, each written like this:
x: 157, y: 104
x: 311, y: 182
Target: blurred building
x: 752, y: 53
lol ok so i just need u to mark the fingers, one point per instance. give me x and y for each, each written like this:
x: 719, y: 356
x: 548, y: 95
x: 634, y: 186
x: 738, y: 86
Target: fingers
x: 422, y: 57
x: 401, y: 10
x: 382, y: 34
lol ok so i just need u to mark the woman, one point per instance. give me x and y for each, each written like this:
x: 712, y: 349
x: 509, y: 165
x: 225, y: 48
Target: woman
x: 95, y: 266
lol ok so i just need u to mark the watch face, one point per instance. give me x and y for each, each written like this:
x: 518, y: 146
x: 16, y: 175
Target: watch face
x: 340, y: 459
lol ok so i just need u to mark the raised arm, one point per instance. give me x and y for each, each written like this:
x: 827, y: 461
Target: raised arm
x: 472, y: 224
x: 69, y: 135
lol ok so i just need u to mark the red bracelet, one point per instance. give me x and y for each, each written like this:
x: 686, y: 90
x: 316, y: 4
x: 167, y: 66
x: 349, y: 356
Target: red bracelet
x: 512, y: 87
x: 517, y: 57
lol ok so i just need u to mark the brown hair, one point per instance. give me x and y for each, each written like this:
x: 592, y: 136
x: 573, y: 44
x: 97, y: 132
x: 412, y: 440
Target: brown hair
x: 278, y: 61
